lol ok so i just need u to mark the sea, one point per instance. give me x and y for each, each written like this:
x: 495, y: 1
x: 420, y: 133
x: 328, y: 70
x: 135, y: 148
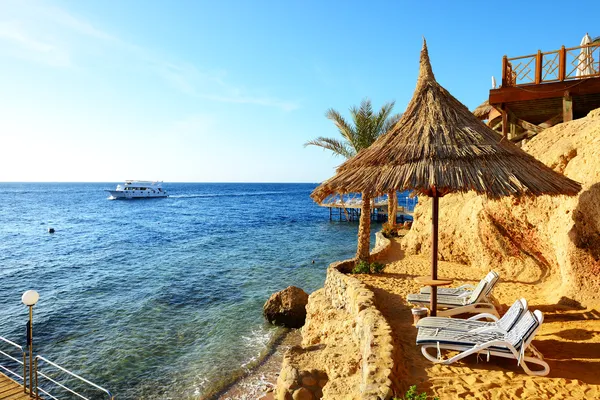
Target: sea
x: 157, y: 298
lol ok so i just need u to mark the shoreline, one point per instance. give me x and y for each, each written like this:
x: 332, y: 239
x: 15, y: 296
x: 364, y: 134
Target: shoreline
x: 259, y: 380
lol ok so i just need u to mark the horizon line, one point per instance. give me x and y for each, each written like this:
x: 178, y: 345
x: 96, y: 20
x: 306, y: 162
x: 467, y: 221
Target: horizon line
x: 228, y: 182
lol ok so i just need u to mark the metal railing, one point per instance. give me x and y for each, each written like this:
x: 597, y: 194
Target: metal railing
x: 7, y: 369
x: 37, y: 373
x: 554, y: 66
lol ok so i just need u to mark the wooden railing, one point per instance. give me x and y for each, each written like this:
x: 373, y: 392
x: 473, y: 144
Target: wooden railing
x: 554, y: 66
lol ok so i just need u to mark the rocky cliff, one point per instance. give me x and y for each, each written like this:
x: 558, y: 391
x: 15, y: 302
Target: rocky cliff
x: 553, y: 241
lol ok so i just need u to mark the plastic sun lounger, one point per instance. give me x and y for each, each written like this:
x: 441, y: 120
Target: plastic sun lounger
x: 452, y: 305
x: 463, y: 290
x: 475, y: 325
x: 513, y: 344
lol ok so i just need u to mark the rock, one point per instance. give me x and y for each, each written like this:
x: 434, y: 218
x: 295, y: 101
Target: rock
x: 309, y: 381
x: 287, y: 307
x: 303, y: 394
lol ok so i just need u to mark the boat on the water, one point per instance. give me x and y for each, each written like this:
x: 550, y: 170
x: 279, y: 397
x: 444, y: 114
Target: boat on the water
x: 138, y: 190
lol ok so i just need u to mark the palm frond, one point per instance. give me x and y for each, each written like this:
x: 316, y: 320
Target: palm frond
x: 337, y: 147
x: 390, y: 122
x: 359, y: 133
x: 347, y: 130
x: 380, y: 120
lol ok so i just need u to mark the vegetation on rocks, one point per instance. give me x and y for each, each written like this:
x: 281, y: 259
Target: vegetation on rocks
x: 364, y: 267
x: 412, y: 394
x: 390, y: 231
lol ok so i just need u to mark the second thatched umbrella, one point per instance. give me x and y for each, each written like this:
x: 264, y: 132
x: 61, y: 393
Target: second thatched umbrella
x: 440, y: 147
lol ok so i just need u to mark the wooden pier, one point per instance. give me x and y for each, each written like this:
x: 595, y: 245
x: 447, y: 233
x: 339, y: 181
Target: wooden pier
x: 11, y: 390
x: 543, y: 89
x: 352, y: 211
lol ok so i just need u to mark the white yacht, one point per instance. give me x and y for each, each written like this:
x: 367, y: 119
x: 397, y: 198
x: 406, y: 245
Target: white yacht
x: 138, y: 190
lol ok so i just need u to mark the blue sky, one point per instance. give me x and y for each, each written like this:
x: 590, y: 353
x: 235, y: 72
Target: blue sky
x: 228, y: 91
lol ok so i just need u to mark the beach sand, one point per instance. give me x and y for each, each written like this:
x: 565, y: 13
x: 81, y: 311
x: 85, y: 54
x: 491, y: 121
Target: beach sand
x: 569, y: 340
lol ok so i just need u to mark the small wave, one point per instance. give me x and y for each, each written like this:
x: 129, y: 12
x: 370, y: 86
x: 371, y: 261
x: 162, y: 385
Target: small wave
x: 258, y: 339
x: 265, y: 342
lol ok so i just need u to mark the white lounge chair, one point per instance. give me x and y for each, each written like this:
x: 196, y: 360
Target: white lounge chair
x: 463, y: 290
x: 476, y: 302
x: 516, y: 343
x: 474, y: 324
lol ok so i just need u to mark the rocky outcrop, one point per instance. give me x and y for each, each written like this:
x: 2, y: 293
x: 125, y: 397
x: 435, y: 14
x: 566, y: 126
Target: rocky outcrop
x: 346, y: 341
x: 287, y: 307
x: 554, y: 241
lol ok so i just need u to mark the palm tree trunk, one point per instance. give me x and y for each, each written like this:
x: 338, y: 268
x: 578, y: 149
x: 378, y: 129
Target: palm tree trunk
x: 364, y: 230
x: 392, y: 208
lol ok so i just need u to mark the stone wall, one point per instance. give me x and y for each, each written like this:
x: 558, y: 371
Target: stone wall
x: 382, y: 247
x: 370, y: 332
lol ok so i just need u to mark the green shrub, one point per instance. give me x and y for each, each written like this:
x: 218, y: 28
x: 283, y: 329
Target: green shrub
x: 412, y: 394
x: 377, y: 267
x: 389, y: 231
x: 364, y: 267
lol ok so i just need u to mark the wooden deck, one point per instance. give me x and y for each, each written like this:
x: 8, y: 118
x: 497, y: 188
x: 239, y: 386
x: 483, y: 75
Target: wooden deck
x: 543, y: 89
x: 11, y: 390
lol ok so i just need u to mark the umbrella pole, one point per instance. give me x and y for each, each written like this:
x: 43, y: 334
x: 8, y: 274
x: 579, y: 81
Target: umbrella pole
x: 434, y: 251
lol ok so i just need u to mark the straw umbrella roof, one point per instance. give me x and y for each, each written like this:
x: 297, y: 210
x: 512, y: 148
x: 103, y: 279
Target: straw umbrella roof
x: 483, y: 110
x: 438, y: 147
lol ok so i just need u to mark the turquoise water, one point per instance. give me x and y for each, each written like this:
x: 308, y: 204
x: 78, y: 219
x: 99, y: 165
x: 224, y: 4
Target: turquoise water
x: 159, y: 298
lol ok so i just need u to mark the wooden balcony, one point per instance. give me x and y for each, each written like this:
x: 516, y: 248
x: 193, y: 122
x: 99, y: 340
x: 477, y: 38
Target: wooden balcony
x: 542, y: 89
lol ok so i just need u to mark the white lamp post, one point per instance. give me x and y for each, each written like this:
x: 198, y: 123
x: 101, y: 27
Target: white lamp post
x: 30, y: 298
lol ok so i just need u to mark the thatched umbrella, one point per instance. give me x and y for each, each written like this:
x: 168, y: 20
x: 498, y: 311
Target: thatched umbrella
x: 483, y: 110
x: 440, y: 147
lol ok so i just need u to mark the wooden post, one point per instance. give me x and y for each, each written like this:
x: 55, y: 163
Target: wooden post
x: 562, y: 64
x: 434, y: 251
x: 567, y: 107
x: 364, y: 230
x: 538, y: 67
x: 505, y: 80
x: 504, y: 122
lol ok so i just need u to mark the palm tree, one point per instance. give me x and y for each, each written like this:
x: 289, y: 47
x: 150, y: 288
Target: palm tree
x: 366, y: 128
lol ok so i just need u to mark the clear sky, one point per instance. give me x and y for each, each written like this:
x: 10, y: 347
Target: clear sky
x: 228, y: 91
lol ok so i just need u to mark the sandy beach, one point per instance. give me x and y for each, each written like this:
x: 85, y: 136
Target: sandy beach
x: 569, y: 339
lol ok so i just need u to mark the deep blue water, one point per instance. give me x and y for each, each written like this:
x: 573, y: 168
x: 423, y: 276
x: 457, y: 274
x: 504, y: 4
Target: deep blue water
x: 158, y: 298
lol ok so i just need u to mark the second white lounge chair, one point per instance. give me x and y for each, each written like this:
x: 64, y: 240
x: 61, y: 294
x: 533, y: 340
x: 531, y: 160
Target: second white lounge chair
x: 476, y: 302
x: 513, y: 344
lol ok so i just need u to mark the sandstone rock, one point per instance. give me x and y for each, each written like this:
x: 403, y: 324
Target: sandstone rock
x: 303, y: 394
x: 287, y: 307
x: 309, y: 381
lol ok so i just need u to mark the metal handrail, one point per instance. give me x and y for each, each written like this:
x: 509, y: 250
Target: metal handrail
x: 24, y: 377
x: 38, y: 357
